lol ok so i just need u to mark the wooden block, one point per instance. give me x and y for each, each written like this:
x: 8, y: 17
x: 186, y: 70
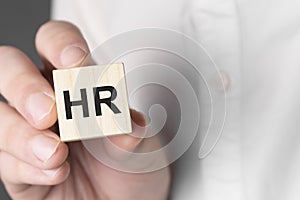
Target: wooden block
x: 91, y: 102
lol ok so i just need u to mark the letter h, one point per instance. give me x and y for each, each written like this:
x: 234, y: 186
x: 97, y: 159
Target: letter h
x: 83, y: 102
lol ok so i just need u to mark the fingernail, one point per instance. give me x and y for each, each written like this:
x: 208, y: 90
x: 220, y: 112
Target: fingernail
x: 44, y: 146
x: 51, y: 172
x: 39, y: 105
x: 72, y: 56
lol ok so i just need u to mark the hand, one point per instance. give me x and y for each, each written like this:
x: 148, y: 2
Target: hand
x: 34, y: 163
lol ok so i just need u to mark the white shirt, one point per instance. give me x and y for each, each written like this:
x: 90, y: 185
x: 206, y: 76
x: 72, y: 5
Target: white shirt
x: 256, y: 45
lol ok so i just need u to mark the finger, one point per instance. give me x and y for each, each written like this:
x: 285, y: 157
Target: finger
x: 41, y: 149
x: 61, y: 44
x: 24, y: 87
x: 15, y: 171
x: 127, y: 142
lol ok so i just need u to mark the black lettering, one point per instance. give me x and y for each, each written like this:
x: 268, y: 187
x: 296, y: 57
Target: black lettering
x: 107, y: 101
x: 83, y: 102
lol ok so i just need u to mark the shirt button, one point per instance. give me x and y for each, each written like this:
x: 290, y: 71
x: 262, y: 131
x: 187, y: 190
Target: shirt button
x: 220, y: 81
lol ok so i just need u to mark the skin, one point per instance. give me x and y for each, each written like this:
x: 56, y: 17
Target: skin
x: 61, y: 170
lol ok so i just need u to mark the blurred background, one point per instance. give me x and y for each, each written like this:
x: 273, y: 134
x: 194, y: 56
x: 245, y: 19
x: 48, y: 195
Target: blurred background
x: 19, y: 21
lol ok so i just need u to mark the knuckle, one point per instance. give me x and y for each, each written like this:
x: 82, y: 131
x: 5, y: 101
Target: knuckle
x: 55, y: 23
x: 8, y: 50
x: 22, y: 83
x: 25, y: 81
x: 25, y: 89
x: 7, y: 131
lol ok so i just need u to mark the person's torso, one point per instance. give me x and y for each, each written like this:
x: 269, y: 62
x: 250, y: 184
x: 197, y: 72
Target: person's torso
x: 255, y: 45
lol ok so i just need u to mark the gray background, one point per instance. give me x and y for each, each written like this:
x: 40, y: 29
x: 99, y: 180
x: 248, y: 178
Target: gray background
x: 19, y: 21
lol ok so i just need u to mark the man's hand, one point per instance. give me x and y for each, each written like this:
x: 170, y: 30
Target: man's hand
x: 34, y: 163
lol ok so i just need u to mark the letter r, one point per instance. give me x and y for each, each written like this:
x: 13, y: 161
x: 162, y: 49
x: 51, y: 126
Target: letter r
x: 107, y: 101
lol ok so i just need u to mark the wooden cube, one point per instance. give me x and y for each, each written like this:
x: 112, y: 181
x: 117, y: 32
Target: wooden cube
x: 91, y: 102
